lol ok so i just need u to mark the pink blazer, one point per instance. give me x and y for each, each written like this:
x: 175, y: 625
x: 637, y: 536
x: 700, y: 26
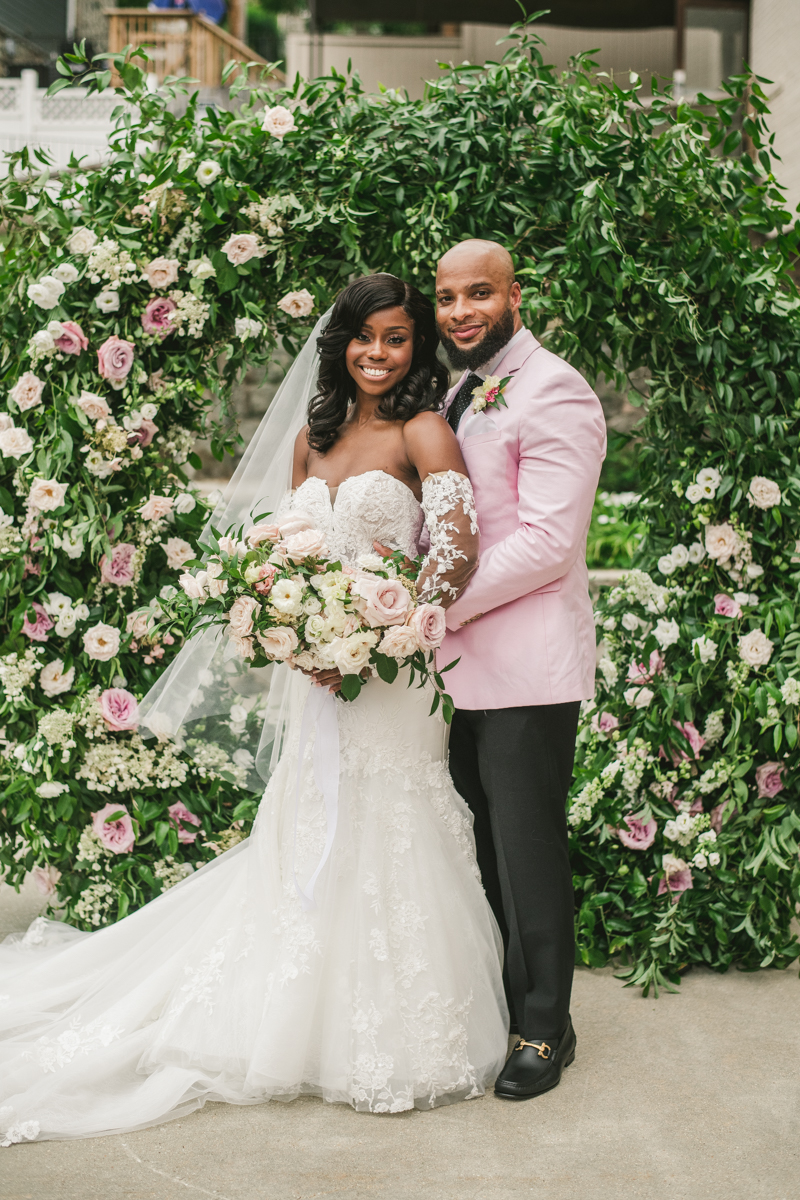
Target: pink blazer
x: 523, y: 626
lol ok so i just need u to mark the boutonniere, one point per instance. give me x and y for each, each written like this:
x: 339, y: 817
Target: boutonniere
x: 490, y: 393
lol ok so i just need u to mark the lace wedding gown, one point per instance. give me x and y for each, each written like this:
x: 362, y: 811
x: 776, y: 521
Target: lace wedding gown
x: 386, y: 996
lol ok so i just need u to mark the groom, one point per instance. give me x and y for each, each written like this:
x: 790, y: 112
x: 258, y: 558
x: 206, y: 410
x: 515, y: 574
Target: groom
x: 524, y: 634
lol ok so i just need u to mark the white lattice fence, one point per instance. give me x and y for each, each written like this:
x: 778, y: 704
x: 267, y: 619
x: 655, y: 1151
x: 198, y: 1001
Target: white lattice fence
x: 68, y: 123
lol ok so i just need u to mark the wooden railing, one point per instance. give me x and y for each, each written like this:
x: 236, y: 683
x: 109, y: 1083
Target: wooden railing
x: 180, y: 43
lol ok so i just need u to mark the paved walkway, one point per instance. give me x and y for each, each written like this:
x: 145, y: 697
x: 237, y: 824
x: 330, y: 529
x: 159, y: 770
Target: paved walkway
x: 689, y: 1097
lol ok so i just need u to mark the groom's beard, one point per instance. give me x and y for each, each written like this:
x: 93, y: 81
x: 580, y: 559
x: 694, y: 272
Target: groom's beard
x: 496, y: 337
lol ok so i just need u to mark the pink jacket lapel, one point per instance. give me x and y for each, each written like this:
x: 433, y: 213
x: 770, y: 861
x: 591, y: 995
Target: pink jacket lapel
x: 516, y: 358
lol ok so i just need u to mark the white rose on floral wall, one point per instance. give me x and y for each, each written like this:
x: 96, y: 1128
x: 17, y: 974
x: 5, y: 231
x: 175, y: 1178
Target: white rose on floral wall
x: 178, y: 552
x: 241, y: 247
x: 66, y: 273
x: 755, y: 648
x: 156, y: 508
x: 101, y: 642
x: 27, y: 391
x: 297, y: 304
x: 278, y: 121
x: 107, y: 301
x: 638, y: 697
x: 207, y: 172
x: 763, y: 493
x: 95, y: 407
x: 47, y: 494
x: 246, y: 327
x: 47, y: 292
x: 15, y: 442
x: 722, y: 542
x: 185, y: 503
x: 161, y: 272
x: 82, y: 241
x: 54, y: 680
x: 666, y: 633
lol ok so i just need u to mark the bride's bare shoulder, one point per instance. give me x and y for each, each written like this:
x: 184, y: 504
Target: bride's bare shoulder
x: 431, y: 445
x: 300, y: 458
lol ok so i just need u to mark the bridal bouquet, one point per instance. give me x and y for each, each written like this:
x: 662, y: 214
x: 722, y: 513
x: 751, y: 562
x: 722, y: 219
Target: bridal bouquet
x: 284, y: 599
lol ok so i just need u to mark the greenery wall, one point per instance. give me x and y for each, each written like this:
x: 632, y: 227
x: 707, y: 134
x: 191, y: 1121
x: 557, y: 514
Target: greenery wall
x: 646, y: 235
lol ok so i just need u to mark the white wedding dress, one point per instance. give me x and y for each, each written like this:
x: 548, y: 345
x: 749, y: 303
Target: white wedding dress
x: 386, y: 996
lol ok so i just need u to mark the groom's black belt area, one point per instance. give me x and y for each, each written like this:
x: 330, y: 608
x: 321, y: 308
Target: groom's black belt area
x: 513, y: 766
x: 462, y: 400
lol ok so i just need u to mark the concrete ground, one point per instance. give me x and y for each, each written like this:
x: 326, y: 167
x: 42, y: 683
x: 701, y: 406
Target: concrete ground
x: 688, y: 1097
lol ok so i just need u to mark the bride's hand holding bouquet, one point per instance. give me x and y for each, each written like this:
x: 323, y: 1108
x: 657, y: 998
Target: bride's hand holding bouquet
x: 284, y: 599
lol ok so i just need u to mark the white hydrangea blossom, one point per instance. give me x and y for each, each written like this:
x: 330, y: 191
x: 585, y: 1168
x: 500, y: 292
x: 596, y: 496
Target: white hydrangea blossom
x: 112, y: 766
x: 685, y: 828
x: 790, y: 691
x: 18, y: 672
x: 171, y: 872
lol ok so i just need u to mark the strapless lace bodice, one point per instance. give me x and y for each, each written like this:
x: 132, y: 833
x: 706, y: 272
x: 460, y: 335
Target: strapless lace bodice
x: 372, y: 507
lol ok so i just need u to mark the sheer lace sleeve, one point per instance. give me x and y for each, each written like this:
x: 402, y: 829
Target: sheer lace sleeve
x: 449, y: 508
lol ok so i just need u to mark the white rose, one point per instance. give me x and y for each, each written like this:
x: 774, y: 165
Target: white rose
x: 679, y: 555
x: 193, y: 585
x: 638, y: 697
x: 755, y: 648
x: 185, y: 503
x: 66, y: 273
x: 666, y: 633
x: 722, y: 542
x: 107, y: 301
x: 47, y: 494
x: 764, y: 493
x: 54, y: 680
x: 297, y: 304
x: 754, y: 571
x: 149, y: 411
x: 399, y: 642
x: 101, y: 642
x: 178, y: 552
x: 65, y: 625
x: 630, y: 622
x: 27, y: 391
x: 202, y: 268
x: 95, y: 407
x: 15, y: 442
x: 351, y: 654
x: 278, y: 121
x: 216, y: 587
x: 696, y: 553
x: 207, y: 172
x: 666, y: 564
x: 72, y: 544
x: 42, y: 342
x: 287, y: 597
x: 610, y: 623
x: 47, y: 292
x: 81, y: 614
x: 706, y: 648
x: 709, y: 477
x: 56, y: 603
x: 608, y: 669
x: 6, y: 422
x: 246, y: 327
x: 694, y: 493
x: 82, y: 241
x: 310, y: 543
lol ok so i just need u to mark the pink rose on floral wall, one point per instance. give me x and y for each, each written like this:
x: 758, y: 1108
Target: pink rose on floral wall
x: 639, y: 673
x: 768, y: 779
x: 157, y: 316
x: 37, y: 631
x: 639, y: 834
x: 45, y: 878
x: 117, y: 836
x: 115, y: 359
x: 726, y: 606
x: 677, y: 875
x: 119, y: 570
x: 723, y: 812
x: 144, y: 435
x: 180, y: 816
x: 72, y: 339
x: 27, y: 391
x: 120, y: 709
x: 693, y: 737
x: 161, y: 272
x: 604, y: 722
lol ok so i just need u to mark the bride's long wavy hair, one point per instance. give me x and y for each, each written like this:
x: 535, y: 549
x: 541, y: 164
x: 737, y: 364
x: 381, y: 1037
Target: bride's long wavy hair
x: 422, y: 390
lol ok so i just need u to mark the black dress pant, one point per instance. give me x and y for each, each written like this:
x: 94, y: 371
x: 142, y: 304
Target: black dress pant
x: 513, y: 766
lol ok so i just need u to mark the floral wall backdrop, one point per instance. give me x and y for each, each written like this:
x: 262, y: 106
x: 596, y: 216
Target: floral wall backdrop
x: 649, y: 238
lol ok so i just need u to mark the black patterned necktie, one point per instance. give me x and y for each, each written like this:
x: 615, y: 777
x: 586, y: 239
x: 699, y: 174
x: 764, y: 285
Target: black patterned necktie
x: 463, y: 400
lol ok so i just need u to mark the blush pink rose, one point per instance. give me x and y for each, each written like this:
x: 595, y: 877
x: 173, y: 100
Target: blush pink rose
x: 119, y: 708
x: 263, y: 533
x: 117, y: 836
x: 119, y: 570
x: 381, y: 601
x: 144, y: 435
x: 264, y: 584
x: 768, y: 779
x: 37, y: 631
x: 308, y: 543
x: 241, y: 616
x: 726, y: 606
x: 27, y: 391
x: 639, y: 834
x: 428, y: 624
x: 677, y: 876
x: 693, y: 737
x: 161, y: 272
x: 604, y: 722
x: 241, y: 247
x: 157, y: 316
x: 294, y: 523
x: 115, y: 359
x: 156, y: 508
x: 278, y: 643
x: 639, y: 673
x: 72, y: 339
x: 45, y: 879
x: 180, y: 816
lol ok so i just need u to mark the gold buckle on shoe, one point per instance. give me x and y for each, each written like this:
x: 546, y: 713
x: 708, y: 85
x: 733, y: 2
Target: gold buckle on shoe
x: 540, y: 1046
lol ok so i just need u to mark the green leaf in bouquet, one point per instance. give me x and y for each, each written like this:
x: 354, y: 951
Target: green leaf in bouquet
x: 351, y: 686
x: 387, y: 667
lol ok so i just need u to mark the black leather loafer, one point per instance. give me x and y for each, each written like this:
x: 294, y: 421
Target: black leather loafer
x: 536, y: 1066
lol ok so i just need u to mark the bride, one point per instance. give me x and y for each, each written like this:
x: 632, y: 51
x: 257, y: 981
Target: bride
x: 385, y: 993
